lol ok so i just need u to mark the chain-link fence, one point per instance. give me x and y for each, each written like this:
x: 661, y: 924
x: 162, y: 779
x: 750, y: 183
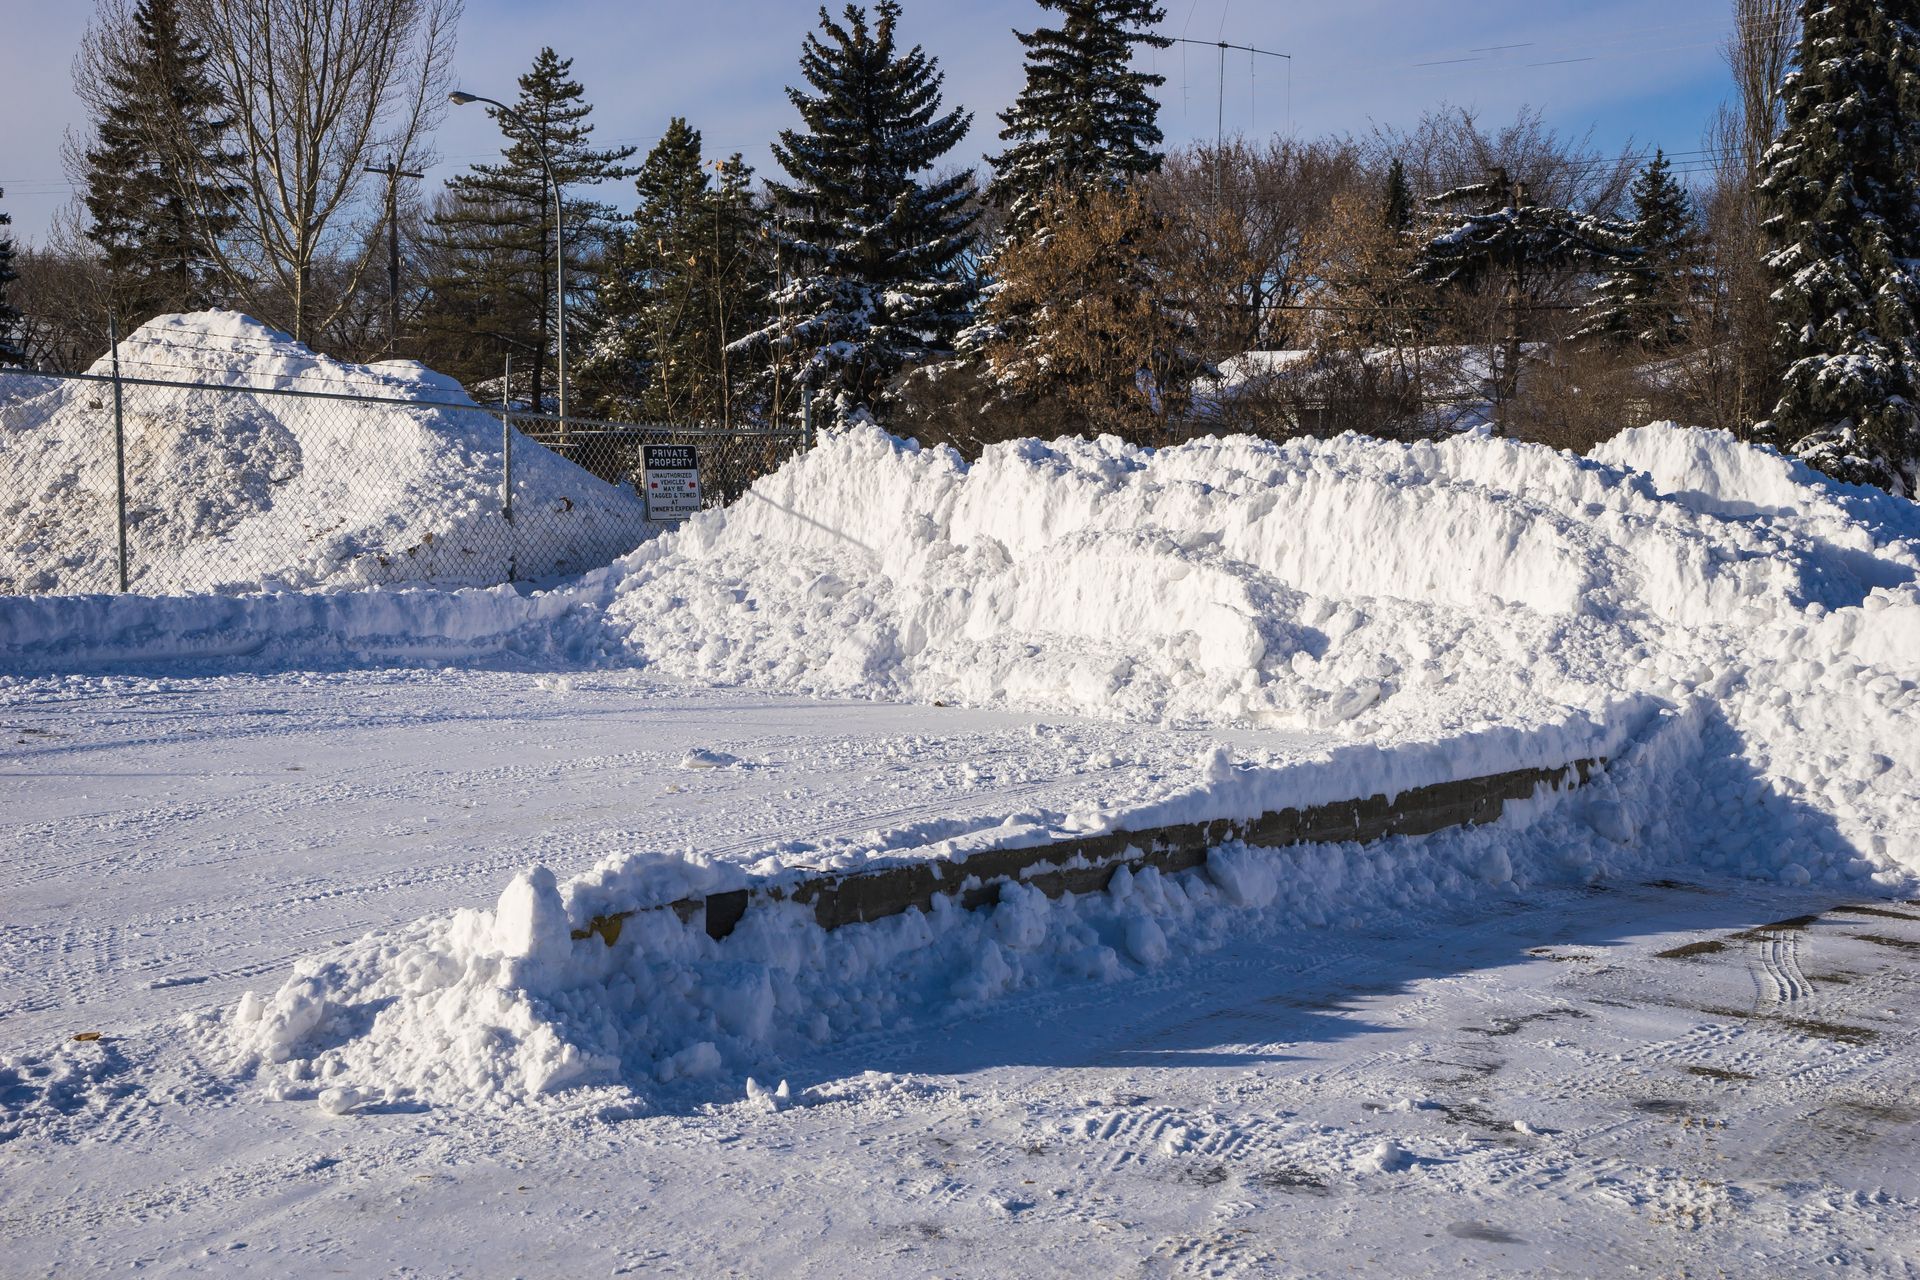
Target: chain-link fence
x: 166, y: 487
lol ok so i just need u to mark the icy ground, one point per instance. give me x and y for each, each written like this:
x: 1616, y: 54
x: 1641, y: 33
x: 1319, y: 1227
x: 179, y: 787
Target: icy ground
x: 1654, y: 1075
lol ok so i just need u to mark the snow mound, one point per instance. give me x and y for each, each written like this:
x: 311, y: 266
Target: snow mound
x: 239, y: 490
x: 1385, y: 586
x: 1746, y: 631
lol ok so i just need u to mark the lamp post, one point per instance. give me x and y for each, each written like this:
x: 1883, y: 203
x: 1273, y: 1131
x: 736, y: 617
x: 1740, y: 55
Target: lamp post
x: 460, y: 99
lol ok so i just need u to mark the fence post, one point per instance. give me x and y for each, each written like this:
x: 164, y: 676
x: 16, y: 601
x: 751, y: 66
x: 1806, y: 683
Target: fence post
x: 506, y: 461
x: 119, y: 451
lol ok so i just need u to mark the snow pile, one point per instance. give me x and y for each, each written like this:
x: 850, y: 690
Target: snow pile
x: 236, y: 491
x: 1399, y: 588
x: 1748, y: 631
x: 501, y: 1007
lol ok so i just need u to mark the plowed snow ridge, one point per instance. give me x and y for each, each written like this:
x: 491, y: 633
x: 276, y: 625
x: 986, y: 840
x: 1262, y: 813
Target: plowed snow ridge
x: 1743, y: 633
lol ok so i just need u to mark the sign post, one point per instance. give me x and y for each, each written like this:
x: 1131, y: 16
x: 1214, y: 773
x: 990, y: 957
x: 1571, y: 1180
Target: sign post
x: 671, y: 473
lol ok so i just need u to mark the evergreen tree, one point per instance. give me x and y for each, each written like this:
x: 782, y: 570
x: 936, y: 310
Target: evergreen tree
x: 1085, y: 118
x: 1643, y: 299
x: 1396, y: 211
x: 647, y: 282
x: 873, y: 254
x: 10, y: 352
x: 1841, y: 190
x: 1505, y: 238
x: 496, y: 242
x: 480, y: 290
x: 162, y: 126
x: 688, y: 281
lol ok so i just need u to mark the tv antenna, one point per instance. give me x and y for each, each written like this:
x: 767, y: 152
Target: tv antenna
x: 1220, y: 103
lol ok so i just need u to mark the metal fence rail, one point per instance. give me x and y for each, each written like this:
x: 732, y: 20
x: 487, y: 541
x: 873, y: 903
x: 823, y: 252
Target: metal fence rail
x: 117, y: 483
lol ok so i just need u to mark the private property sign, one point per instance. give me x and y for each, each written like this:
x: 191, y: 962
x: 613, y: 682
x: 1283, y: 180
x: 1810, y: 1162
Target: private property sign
x: 672, y: 478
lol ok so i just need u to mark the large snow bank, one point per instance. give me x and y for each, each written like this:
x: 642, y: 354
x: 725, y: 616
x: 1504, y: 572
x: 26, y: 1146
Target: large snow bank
x: 1742, y: 632
x: 235, y: 490
x: 1394, y: 587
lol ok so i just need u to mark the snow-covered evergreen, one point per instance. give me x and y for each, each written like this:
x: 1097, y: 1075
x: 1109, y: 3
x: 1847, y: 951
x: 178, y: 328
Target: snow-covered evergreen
x: 1508, y: 233
x: 1085, y: 117
x: 1642, y: 300
x: 1841, y: 190
x: 871, y: 255
x: 1498, y: 234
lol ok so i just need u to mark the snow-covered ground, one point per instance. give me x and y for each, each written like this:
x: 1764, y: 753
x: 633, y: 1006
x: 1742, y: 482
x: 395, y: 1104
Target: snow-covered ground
x: 170, y: 841
x: 1462, y: 1052
x: 234, y: 488
x: 1402, y: 1059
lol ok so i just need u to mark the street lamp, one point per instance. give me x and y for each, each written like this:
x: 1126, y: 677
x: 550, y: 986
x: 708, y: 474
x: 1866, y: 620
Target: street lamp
x: 460, y: 99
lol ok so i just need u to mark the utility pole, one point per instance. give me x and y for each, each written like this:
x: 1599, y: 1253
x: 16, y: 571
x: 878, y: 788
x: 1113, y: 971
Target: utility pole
x: 393, y: 173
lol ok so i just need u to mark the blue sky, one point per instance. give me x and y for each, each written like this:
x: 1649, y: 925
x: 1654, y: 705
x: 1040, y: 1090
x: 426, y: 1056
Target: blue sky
x: 1648, y: 71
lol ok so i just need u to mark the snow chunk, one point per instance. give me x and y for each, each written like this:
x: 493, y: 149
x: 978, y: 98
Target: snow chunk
x: 1386, y: 1157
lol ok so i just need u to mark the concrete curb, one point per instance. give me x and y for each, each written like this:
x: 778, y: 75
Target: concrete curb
x: 1086, y: 865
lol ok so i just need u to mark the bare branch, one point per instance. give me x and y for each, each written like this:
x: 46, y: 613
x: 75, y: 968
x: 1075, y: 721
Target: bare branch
x: 319, y: 89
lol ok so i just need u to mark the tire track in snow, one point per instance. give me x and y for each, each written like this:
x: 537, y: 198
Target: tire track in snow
x: 1775, y: 957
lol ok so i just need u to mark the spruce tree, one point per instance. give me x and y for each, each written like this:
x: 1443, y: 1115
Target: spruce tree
x: 1396, y: 211
x: 641, y: 288
x: 873, y: 255
x: 1504, y: 238
x: 1841, y: 193
x: 1643, y: 299
x: 160, y: 129
x: 687, y: 281
x: 10, y: 352
x: 497, y: 234
x: 1085, y: 118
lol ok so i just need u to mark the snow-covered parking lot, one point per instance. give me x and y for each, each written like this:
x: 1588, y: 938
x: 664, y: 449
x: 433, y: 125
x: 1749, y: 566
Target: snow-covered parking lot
x: 1421, y: 1072
x: 170, y: 841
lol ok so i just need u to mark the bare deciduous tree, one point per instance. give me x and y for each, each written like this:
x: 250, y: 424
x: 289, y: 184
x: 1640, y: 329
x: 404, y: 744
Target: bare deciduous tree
x: 1761, y: 48
x: 1452, y: 148
x: 65, y: 298
x: 1238, y: 216
x: 319, y: 89
x: 1729, y: 382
